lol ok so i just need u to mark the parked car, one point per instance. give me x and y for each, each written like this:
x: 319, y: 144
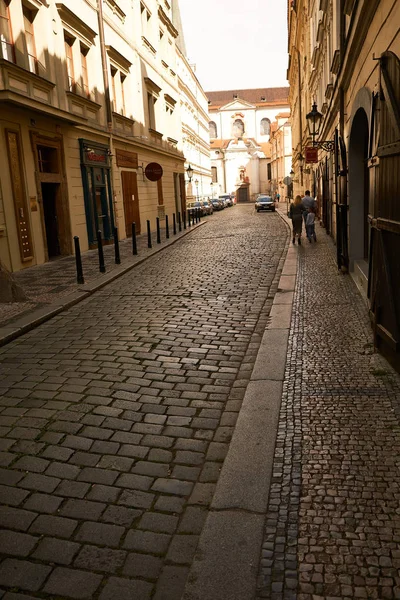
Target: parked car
x: 264, y: 202
x: 208, y: 207
x: 216, y: 204
x: 192, y: 207
x: 226, y: 198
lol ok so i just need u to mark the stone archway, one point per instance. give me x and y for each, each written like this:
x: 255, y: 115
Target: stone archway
x: 358, y: 189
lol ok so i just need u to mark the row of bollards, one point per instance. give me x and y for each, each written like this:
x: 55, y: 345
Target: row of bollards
x: 185, y: 220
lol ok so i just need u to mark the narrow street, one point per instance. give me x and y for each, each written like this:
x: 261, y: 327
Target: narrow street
x: 117, y: 415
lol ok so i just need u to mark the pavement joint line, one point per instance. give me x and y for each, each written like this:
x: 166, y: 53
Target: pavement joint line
x: 218, y: 571
x: 55, y: 308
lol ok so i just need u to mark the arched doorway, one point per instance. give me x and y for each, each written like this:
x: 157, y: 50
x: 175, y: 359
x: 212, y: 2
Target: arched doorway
x: 358, y: 189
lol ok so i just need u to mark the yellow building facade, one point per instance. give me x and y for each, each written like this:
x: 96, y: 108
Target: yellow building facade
x: 90, y: 123
x: 344, y: 73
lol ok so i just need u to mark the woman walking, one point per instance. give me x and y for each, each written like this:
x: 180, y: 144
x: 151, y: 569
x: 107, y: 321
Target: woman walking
x: 296, y: 214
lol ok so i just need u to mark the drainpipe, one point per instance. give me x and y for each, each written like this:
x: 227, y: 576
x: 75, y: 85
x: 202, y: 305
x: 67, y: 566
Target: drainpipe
x: 104, y: 64
x: 107, y: 99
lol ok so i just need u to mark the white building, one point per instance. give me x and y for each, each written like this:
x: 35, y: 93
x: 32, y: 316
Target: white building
x: 240, y: 131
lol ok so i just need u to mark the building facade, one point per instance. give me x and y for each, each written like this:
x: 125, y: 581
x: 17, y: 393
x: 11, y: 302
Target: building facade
x: 240, y: 133
x: 90, y: 123
x: 195, y: 136
x: 344, y: 74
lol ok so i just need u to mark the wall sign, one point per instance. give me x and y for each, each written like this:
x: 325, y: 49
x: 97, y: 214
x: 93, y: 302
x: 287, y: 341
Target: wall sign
x: 153, y: 171
x: 311, y: 154
x: 126, y: 159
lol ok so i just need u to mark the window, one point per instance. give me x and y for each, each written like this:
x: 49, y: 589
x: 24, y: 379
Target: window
x: 30, y: 40
x: 238, y: 128
x: 68, y: 43
x: 122, y: 78
x: 265, y: 127
x: 151, y: 100
x: 214, y: 176
x: 84, y: 71
x: 213, y: 129
x: 114, y: 72
x: 6, y: 44
x: 47, y: 159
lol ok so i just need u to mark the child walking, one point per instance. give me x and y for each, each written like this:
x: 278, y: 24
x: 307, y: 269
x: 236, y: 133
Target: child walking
x: 310, y: 225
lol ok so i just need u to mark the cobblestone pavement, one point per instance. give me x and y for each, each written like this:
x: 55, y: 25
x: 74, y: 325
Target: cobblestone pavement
x: 43, y: 284
x: 333, y: 526
x: 116, y: 416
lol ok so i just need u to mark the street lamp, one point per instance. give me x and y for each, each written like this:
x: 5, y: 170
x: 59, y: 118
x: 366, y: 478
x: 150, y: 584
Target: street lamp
x: 314, y: 118
x: 189, y: 172
x: 196, y: 183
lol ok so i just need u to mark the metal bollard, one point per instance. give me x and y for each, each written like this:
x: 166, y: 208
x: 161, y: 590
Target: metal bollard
x: 78, y: 260
x: 179, y: 221
x: 116, y: 247
x: 134, y: 241
x: 174, y: 222
x: 189, y: 223
x: 149, y: 245
x: 166, y: 227
x: 184, y: 219
x: 102, y: 266
x: 158, y: 230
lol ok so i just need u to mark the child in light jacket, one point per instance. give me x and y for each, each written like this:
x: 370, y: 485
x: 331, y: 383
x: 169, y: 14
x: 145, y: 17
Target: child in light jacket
x: 310, y: 225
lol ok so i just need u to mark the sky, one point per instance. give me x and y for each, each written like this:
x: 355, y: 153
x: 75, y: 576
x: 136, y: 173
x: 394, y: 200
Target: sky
x: 236, y: 44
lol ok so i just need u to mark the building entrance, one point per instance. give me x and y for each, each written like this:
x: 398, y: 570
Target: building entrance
x: 50, y: 194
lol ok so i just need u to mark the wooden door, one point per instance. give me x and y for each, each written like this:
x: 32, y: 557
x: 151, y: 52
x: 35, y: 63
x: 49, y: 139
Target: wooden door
x: 384, y: 267
x: 131, y: 201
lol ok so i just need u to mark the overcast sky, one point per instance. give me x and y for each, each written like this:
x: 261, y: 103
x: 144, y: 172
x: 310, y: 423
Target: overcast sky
x: 236, y: 44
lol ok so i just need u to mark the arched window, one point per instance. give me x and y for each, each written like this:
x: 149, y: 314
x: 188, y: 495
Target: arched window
x: 265, y: 127
x: 238, y: 128
x: 213, y: 129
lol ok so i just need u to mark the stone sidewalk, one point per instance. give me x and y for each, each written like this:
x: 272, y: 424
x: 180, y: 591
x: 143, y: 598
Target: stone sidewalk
x: 333, y: 522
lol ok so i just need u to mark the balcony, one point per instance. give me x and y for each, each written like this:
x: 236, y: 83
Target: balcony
x: 24, y: 87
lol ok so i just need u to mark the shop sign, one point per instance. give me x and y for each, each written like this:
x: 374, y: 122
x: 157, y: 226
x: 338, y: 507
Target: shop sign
x: 311, y: 154
x: 126, y: 159
x: 153, y: 171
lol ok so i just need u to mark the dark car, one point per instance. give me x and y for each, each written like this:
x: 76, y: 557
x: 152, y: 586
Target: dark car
x: 208, y: 207
x: 264, y: 202
x: 216, y: 204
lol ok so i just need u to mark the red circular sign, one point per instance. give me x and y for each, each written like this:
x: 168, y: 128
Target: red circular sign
x: 153, y: 171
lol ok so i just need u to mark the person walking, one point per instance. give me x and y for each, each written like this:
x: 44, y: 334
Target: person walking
x: 278, y: 197
x: 295, y: 213
x: 310, y: 225
x: 307, y: 202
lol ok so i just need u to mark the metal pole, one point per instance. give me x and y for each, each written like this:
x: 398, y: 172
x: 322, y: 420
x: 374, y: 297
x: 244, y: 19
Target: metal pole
x: 158, y: 230
x: 134, y: 242
x: 184, y: 219
x: 188, y: 214
x: 116, y: 247
x: 78, y: 260
x: 174, y: 222
x: 148, y: 235
x: 166, y: 227
x: 179, y: 221
x: 102, y: 266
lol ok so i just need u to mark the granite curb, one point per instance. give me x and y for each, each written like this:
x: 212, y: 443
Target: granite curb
x: 37, y: 316
x: 225, y: 565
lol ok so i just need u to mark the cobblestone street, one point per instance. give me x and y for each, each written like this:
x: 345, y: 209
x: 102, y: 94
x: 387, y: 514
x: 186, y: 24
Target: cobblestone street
x: 116, y: 416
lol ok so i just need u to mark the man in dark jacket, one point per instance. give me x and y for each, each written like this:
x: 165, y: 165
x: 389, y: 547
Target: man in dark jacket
x: 307, y: 202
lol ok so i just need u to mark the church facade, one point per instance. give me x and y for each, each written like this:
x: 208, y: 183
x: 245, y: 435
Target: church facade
x: 241, y: 125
